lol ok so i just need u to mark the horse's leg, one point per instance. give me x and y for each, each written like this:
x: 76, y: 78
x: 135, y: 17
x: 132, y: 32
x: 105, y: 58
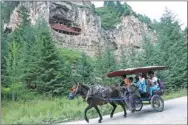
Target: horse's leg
x: 85, y: 113
x: 114, y: 108
x: 99, y: 114
x: 123, y: 106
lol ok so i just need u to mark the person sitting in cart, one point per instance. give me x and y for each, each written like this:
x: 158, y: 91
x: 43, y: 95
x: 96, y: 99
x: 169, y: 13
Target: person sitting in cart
x: 152, y: 82
x: 137, y: 81
x: 141, y: 82
x: 123, y: 85
x: 133, y: 93
x: 125, y: 80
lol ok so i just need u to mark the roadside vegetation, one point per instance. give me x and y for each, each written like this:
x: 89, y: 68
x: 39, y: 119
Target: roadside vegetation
x: 36, y: 76
x: 59, y: 109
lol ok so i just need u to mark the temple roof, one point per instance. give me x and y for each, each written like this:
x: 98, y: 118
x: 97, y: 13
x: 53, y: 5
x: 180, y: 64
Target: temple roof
x: 63, y: 28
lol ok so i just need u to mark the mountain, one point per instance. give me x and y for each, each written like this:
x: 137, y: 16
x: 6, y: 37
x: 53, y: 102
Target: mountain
x: 78, y: 25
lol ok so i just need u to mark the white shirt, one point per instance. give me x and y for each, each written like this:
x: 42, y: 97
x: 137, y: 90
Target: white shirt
x: 154, y: 82
x: 142, y: 80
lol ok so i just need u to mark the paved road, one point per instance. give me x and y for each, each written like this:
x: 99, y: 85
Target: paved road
x: 175, y: 112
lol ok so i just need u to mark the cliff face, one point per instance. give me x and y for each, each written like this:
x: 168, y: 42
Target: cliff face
x: 92, y: 38
x: 36, y: 10
x: 129, y: 34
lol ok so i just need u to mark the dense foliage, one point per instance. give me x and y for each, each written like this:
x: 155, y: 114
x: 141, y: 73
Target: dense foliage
x: 105, y: 63
x: 31, y: 60
x: 170, y: 50
x: 7, y: 8
x: 33, y: 69
x: 112, y: 11
x: 32, y: 63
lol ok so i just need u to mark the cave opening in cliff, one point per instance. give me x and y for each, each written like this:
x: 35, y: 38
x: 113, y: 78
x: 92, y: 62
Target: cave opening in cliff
x: 60, y: 22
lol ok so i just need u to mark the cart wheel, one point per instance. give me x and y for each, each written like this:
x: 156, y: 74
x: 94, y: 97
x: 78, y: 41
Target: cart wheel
x: 139, y: 105
x: 157, y: 103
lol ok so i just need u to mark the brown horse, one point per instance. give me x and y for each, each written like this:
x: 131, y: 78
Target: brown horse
x: 95, y: 100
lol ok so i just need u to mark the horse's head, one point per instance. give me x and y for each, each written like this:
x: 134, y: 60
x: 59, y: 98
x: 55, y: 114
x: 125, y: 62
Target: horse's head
x: 74, y: 91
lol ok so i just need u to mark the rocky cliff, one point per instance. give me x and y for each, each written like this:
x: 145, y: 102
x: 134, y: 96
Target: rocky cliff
x: 90, y: 37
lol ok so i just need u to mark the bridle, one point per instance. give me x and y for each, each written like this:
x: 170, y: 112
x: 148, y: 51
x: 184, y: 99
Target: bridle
x: 74, y: 93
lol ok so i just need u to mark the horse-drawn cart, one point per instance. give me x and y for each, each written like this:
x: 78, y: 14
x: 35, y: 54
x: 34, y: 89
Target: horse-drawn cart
x: 156, y: 100
x: 100, y: 94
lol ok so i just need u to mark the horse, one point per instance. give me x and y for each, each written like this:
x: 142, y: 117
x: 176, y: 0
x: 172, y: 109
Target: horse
x: 94, y: 101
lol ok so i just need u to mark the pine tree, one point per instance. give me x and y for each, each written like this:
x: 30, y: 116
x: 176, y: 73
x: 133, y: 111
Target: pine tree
x: 149, y: 53
x: 25, y: 36
x: 170, y: 50
x: 109, y: 4
x: 6, y: 9
x: 105, y: 64
x: 4, y: 52
x: 119, y: 8
x: 84, y: 70
x: 13, y: 61
x: 13, y: 66
x: 48, y: 72
x: 23, y: 14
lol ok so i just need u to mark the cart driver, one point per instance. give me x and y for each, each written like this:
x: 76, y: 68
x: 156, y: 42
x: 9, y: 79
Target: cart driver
x: 133, y: 94
x: 123, y: 85
x: 125, y: 80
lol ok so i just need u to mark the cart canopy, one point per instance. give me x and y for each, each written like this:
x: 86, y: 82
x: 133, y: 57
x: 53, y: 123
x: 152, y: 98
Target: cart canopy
x: 131, y: 71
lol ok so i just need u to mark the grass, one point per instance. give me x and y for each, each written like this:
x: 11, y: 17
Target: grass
x: 55, y: 110
x: 176, y: 94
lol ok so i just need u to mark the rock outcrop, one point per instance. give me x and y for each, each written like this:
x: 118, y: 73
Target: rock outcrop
x: 92, y: 38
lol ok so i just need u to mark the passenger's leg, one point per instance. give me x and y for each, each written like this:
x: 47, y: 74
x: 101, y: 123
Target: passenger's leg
x: 132, y: 101
x: 152, y: 89
x: 144, y: 88
x: 148, y: 88
x: 126, y: 99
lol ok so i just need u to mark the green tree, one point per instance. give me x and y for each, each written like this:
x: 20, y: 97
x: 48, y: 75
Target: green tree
x: 169, y: 50
x: 93, y: 8
x: 13, y: 60
x: 149, y: 52
x: 48, y: 72
x: 23, y: 14
x: 6, y: 9
x: 84, y: 70
x: 119, y: 8
x: 109, y: 17
x: 13, y: 66
x: 4, y: 52
x: 127, y: 9
x: 185, y: 33
x: 109, y: 4
x: 39, y: 65
x: 105, y: 64
x: 25, y: 36
x: 144, y: 18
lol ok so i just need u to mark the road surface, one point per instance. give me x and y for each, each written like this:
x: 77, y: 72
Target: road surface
x: 175, y: 112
